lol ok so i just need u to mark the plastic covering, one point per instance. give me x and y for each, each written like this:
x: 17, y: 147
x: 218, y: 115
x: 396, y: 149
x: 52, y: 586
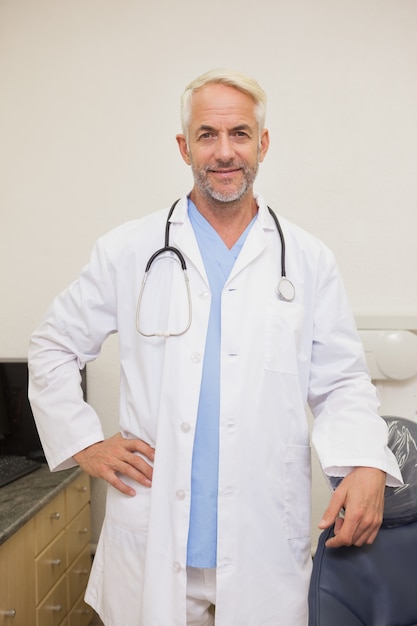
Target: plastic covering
x: 401, y: 502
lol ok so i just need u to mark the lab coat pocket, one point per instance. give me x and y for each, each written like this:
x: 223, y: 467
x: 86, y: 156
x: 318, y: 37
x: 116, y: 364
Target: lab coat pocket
x: 130, y: 513
x: 282, y: 331
x: 297, y: 491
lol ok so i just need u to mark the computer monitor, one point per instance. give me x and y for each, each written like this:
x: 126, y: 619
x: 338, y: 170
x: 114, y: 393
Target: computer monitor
x: 18, y: 432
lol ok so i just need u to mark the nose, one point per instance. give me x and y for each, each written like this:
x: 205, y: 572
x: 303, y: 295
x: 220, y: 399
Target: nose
x: 224, y: 150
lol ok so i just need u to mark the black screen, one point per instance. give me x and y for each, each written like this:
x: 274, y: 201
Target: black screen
x: 18, y: 433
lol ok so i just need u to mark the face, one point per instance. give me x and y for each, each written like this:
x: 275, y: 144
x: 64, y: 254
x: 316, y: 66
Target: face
x: 225, y: 145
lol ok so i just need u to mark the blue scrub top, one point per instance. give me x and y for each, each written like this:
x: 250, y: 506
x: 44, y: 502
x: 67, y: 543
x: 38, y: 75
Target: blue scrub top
x: 218, y: 261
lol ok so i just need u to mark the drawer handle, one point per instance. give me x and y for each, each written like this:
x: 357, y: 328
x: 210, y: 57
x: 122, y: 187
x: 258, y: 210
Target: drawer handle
x: 82, y: 572
x: 82, y: 489
x: 83, y: 531
x: 56, y: 515
x: 9, y: 613
x: 55, y: 561
x: 83, y: 611
x: 56, y: 608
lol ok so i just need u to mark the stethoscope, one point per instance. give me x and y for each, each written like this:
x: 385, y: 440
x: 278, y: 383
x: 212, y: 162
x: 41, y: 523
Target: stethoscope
x: 284, y: 290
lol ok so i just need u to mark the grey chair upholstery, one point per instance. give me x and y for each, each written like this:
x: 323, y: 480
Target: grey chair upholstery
x: 374, y: 585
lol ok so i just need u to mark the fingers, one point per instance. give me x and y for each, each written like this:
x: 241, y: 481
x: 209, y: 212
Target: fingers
x: 333, y: 510
x: 350, y: 533
x: 116, y: 457
x: 361, y: 497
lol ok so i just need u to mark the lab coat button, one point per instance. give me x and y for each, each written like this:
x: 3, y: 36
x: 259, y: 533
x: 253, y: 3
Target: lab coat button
x: 185, y: 427
x: 203, y: 295
x: 176, y: 567
x: 196, y: 357
x: 180, y: 493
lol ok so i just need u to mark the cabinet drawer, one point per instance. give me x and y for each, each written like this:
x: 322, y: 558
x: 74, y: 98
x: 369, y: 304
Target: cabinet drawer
x: 53, y: 609
x: 81, y: 614
x: 78, y: 534
x: 77, y: 495
x: 49, y: 522
x: 78, y: 575
x: 50, y: 565
x: 17, y: 572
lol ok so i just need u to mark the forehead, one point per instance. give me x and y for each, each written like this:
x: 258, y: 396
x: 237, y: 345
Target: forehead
x: 217, y: 104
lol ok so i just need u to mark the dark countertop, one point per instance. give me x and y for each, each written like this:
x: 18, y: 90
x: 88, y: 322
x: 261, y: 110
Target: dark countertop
x: 23, y: 498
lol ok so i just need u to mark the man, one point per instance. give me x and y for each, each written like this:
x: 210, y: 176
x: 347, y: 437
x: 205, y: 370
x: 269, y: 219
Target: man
x: 209, y: 497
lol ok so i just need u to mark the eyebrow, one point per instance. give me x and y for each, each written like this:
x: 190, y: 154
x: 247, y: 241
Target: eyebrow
x: 207, y: 127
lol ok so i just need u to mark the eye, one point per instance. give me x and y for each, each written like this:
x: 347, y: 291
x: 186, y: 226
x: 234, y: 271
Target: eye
x: 206, y: 135
x: 240, y: 134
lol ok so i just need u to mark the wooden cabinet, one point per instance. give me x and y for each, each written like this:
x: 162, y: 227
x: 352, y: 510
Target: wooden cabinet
x: 44, y: 567
x: 17, y: 573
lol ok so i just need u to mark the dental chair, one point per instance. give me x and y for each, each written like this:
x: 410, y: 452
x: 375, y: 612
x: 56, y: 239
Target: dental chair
x: 374, y: 585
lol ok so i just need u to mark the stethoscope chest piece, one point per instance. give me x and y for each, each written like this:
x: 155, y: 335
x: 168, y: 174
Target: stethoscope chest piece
x: 285, y: 290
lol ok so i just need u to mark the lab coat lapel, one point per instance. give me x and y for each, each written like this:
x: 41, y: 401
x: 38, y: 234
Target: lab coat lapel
x: 254, y: 245
x: 182, y: 236
x: 255, y: 242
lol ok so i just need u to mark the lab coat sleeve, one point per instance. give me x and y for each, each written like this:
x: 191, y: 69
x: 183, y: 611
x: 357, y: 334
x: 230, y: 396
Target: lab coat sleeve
x: 347, y: 432
x: 69, y: 336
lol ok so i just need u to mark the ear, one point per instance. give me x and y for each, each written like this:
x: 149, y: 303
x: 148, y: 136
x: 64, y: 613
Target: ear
x: 264, y: 144
x: 182, y: 144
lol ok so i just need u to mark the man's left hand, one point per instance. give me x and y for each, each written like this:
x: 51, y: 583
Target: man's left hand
x: 361, y: 495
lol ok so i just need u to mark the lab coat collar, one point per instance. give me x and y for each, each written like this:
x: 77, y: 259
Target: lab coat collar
x: 180, y: 213
x: 255, y: 243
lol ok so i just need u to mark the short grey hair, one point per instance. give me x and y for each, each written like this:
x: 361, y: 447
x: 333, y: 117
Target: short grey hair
x: 239, y: 81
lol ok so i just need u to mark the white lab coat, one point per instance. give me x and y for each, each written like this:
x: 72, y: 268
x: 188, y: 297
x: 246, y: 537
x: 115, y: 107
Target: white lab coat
x: 275, y: 356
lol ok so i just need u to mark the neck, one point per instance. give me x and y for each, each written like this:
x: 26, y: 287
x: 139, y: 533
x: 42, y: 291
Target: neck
x: 229, y: 219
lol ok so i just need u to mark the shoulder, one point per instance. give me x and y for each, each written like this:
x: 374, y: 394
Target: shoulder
x: 298, y: 241
x: 303, y: 238
x: 134, y: 231
x: 147, y: 229
x: 310, y: 254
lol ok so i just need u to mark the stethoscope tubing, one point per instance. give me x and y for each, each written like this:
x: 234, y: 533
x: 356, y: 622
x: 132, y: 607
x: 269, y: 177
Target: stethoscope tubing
x: 285, y: 288
x: 282, y: 238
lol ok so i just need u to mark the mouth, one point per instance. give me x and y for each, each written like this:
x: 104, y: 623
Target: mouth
x: 225, y: 173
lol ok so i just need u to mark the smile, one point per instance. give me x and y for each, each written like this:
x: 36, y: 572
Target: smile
x: 225, y: 173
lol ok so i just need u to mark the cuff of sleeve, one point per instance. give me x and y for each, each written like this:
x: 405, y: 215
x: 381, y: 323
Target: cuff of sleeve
x: 335, y: 473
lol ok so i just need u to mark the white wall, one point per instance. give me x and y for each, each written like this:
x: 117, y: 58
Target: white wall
x: 89, y: 110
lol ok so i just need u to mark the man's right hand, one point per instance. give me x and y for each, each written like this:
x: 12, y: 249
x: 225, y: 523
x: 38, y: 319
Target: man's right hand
x: 116, y: 456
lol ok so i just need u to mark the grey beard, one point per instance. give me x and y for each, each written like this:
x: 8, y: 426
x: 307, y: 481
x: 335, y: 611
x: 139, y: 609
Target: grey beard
x: 202, y: 182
